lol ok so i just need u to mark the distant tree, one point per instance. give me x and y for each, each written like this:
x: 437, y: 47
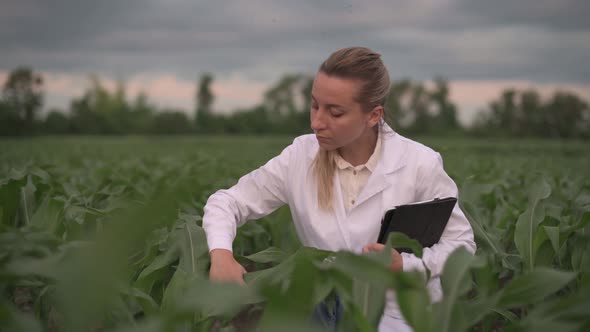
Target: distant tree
x: 56, y: 123
x: 567, y: 115
x: 90, y: 112
x: 420, y: 105
x: 287, y: 104
x: 120, y: 118
x: 204, y: 100
x: 504, y: 112
x: 306, y: 88
x: 249, y: 121
x: 84, y: 118
x: 414, y: 107
x: 284, y: 110
x: 523, y: 113
x: 529, y: 114
x: 23, y: 93
x: 445, y: 119
x: 142, y: 115
x: 301, y: 119
x: 10, y: 122
x: 280, y: 98
x: 171, y: 122
x: 397, y: 112
x: 100, y: 111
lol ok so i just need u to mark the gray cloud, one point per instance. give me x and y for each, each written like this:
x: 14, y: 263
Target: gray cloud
x: 462, y: 39
x: 552, y: 14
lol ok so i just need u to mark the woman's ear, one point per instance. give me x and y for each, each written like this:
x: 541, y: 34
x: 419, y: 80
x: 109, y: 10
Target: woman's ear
x: 375, y: 115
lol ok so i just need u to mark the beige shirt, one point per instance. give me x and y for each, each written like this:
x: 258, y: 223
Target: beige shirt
x: 354, y: 178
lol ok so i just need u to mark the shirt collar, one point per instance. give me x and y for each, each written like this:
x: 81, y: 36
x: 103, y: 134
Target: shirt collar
x: 370, y: 164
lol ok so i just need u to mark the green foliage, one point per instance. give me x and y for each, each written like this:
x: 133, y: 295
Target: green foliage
x: 104, y: 234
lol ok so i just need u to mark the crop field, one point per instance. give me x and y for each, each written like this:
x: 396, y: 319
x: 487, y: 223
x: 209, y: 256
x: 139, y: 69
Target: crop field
x: 104, y: 234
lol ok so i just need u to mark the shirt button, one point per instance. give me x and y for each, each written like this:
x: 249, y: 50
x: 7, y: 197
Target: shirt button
x: 354, y: 172
x: 352, y: 202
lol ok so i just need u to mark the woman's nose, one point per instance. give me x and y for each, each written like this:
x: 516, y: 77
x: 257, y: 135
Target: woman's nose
x: 317, y: 120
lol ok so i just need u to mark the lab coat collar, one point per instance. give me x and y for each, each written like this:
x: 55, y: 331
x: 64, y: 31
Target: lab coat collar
x: 392, y: 153
x: 392, y: 159
x: 370, y: 164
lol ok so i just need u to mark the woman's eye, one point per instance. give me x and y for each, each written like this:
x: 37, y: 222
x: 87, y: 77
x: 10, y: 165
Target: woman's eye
x: 314, y: 106
x: 337, y: 115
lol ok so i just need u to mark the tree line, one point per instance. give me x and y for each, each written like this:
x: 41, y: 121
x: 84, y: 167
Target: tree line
x: 415, y: 108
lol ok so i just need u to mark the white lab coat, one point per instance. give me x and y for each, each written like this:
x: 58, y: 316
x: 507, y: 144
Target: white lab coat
x: 407, y: 172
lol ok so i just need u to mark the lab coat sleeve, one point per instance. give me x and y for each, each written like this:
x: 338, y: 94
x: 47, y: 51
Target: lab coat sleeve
x: 256, y: 195
x: 434, y: 182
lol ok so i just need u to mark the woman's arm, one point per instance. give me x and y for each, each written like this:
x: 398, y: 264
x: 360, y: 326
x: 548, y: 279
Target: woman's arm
x: 256, y: 195
x: 435, y: 182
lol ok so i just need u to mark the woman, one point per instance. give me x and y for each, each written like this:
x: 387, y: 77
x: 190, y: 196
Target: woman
x: 340, y: 181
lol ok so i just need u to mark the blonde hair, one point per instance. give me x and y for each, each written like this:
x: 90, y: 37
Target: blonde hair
x: 357, y: 63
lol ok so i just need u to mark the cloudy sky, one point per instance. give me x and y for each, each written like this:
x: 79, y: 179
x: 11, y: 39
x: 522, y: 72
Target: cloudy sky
x: 161, y: 47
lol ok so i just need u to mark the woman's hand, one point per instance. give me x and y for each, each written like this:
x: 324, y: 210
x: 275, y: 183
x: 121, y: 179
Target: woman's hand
x: 397, y: 262
x: 225, y: 268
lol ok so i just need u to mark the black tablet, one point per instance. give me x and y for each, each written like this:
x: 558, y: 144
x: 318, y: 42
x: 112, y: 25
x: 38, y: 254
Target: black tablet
x: 423, y: 221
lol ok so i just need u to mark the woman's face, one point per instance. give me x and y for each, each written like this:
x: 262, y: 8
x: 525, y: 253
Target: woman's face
x: 336, y: 117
